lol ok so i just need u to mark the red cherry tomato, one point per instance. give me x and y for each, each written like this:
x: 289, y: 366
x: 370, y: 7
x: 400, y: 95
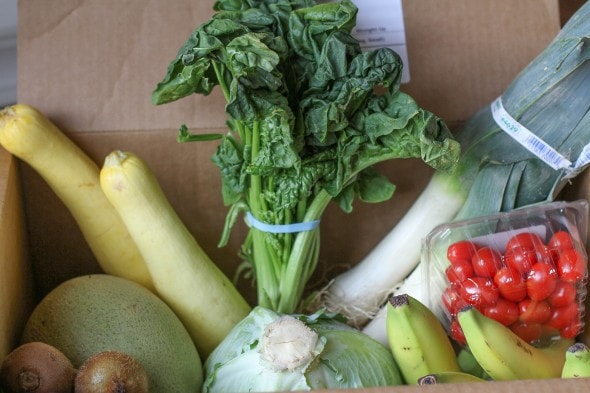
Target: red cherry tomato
x: 510, y: 284
x: 452, y: 301
x: 561, y: 240
x: 572, y: 329
x: 535, y: 312
x: 457, y: 333
x: 541, y: 281
x: 529, y: 332
x: 503, y: 311
x: 548, y: 255
x: 561, y: 317
x: 462, y: 250
x: 459, y: 271
x: 526, y: 240
x: 571, y: 265
x: 479, y: 291
x: 486, y: 262
x: 520, y: 259
x: 563, y: 294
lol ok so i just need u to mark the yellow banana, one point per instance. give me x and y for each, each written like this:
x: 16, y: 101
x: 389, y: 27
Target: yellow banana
x: 418, y: 341
x: 448, y: 377
x: 504, y: 355
x: 577, y: 362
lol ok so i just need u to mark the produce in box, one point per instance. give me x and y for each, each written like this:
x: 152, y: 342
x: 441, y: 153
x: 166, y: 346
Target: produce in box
x: 310, y: 114
x: 551, y: 99
x: 527, y: 269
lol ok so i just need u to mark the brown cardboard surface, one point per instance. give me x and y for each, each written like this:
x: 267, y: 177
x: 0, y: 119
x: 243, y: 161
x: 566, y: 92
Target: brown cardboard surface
x: 15, y: 277
x: 90, y: 66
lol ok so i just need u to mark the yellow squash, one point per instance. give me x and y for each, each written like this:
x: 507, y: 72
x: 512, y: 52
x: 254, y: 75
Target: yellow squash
x: 184, y: 275
x: 29, y: 135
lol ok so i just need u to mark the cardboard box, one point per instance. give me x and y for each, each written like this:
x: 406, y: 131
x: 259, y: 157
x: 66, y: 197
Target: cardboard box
x: 91, y: 65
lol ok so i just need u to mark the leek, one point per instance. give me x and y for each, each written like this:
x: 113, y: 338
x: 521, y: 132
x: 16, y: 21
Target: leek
x: 550, y: 97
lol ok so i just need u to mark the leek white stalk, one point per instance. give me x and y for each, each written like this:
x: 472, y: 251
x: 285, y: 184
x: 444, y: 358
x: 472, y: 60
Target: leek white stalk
x: 359, y: 292
x: 184, y: 276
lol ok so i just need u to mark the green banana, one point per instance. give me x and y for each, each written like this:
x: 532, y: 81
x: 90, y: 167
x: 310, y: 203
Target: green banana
x: 418, y: 341
x: 577, y: 362
x: 448, y: 377
x: 504, y: 355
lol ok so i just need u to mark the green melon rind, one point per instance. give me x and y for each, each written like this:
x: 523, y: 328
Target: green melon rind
x: 93, y: 313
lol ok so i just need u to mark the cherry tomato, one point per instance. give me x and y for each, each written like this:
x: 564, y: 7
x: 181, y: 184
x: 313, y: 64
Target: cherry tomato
x: 520, y: 259
x: 531, y: 311
x: 479, y: 291
x: 561, y: 317
x: 563, y: 294
x: 462, y: 250
x: 503, y: 311
x: 571, y: 266
x: 529, y: 332
x: 548, y: 255
x: 486, y: 262
x: 541, y: 281
x: 511, y: 284
x: 452, y: 301
x: 572, y: 329
x: 459, y: 271
x: 561, y: 240
x: 457, y: 333
x: 526, y: 240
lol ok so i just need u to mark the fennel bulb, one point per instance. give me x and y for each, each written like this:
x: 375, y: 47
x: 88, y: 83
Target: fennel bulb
x: 550, y: 97
x: 268, y: 351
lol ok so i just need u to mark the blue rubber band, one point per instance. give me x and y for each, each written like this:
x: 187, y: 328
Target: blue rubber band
x: 281, y: 228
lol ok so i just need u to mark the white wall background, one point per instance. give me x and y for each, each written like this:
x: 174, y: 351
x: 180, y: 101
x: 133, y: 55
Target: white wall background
x: 8, y: 23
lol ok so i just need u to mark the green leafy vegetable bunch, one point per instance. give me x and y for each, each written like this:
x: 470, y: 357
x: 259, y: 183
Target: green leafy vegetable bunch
x: 309, y: 115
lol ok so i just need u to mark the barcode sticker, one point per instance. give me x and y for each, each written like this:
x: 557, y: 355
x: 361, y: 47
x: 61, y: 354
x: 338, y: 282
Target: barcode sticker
x: 526, y: 138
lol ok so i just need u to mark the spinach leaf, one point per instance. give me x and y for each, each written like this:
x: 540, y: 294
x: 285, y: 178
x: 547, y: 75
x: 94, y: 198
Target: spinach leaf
x: 309, y: 115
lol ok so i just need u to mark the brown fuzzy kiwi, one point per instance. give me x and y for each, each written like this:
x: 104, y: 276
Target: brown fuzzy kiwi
x: 111, y: 372
x: 37, y: 367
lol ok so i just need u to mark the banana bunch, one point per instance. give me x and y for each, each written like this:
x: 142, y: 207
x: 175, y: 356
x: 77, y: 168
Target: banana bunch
x: 503, y: 355
x: 418, y: 341
x: 577, y: 362
x: 448, y: 377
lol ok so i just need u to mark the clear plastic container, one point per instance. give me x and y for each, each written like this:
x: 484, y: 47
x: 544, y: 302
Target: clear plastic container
x: 527, y: 268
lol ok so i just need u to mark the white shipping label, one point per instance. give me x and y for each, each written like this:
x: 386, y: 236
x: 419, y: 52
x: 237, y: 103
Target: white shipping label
x: 380, y: 24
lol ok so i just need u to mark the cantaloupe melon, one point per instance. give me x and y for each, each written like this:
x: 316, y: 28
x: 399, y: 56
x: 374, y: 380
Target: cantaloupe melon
x: 93, y: 313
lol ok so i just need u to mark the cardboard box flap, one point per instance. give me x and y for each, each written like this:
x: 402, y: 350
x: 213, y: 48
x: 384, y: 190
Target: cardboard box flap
x: 16, y: 298
x: 92, y: 65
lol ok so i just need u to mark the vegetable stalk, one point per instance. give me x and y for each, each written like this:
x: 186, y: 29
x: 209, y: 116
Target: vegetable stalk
x: 551, y: 98
x: 310, y: 115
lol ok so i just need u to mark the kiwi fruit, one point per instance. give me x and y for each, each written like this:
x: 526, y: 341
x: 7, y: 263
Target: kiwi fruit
x: 111, y: 372
x: 36, y: 367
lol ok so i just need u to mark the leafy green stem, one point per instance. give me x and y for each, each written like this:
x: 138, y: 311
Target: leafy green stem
x: 303, y: 257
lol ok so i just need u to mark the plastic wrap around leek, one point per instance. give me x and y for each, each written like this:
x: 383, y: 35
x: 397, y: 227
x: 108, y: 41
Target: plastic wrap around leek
x: 550, y: 98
